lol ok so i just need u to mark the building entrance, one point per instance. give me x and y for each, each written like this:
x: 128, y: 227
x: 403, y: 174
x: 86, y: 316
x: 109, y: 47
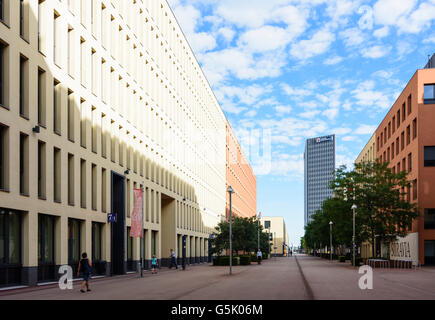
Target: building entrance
x: 118, y: 230
x: 168, y: 227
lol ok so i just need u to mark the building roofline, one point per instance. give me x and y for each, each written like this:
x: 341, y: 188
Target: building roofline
x: 374, y: 133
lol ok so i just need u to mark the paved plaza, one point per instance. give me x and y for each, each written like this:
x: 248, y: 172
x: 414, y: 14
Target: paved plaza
x: 295, y: 278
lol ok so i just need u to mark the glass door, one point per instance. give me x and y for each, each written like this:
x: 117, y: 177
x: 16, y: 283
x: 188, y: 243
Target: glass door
x: 74, y: 244
x: 46, y: 259
x: 10, y: 247
x: 99, y: 266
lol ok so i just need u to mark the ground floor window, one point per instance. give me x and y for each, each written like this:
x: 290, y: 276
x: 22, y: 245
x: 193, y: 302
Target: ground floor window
x: 74, y: 243
x: 46, y: 253
x: 429, y: 252
x: 98, y: 264
x: 10, y: 247
x: 130, y: 266
x: 153, y: 243
x: 429, y: 218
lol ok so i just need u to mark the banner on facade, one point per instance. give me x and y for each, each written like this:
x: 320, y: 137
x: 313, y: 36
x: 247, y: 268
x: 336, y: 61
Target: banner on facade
x: 405, y: 248
x: 136, y: 230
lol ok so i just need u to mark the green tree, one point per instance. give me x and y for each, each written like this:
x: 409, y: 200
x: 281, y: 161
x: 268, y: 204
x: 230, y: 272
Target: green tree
x: 384, y: 210
x: 245, y: 236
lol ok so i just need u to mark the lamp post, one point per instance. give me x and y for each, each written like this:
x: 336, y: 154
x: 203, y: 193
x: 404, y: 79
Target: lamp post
x: 258, y: 241
x: 231, y: 191
x: 354, y: 207
x: 330, y: 239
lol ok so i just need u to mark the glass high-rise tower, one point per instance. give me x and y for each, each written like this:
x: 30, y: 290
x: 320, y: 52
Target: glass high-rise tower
x: 319, y: 164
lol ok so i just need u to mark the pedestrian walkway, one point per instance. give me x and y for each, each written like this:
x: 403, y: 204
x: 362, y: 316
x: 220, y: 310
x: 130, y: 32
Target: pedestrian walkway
x: 334, y: 280
x: 268, y: 281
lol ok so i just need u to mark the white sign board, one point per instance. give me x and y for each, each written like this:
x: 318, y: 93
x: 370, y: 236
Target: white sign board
x: 405, y: 249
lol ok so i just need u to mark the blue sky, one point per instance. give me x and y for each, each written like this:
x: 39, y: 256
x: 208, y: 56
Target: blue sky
x: 296, y: 69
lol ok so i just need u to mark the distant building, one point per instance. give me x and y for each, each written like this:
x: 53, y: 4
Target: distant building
x: 275, y: 227
x: 368, y: 154
x: 241, y: 177
x: 319, y: 164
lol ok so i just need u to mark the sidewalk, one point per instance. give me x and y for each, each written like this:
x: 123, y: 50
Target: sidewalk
x: 5, y: 292
x: 334, y: 280
x: 272, y: 280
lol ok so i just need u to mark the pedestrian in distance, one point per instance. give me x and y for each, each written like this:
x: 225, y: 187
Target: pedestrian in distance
x: 291, y: 253
x: 259, y: 256
x: 153, y: 264
x: 85, y: 266
x: 173, y: 260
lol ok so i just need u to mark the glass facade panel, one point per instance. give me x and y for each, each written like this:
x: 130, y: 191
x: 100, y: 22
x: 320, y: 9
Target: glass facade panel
x: 74, y: 241
x: 429, y: 93
x: 429, y: 156
x: 2, y: 239
x: 153, y: 243
x: 14, y: 238
x: 46, y: 239
x: 129, y: 245
x: 429, y: 218
x: 96, y: 241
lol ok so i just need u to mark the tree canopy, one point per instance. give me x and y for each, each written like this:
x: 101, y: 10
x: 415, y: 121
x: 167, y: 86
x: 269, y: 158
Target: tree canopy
x: 384, y: 207
x: 245, y: 236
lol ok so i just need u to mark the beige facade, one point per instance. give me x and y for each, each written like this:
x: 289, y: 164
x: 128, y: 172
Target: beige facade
x: 118, y: 98
x: 275, y: 227
x: 368, y: 154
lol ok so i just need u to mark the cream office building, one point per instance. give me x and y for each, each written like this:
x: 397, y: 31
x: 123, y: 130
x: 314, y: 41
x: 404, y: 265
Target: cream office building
x: 98, y: 98
x: 275, y: 227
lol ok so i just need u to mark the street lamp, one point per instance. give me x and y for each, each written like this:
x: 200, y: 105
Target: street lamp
x: 231, y: 191
x: 354, y: 207
x: 259, y: 217
x: 330, y: 238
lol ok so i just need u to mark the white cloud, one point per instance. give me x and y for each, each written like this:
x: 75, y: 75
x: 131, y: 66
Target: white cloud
x: 382, y: 32
x: 429, y: 40
x: 202, y: 42
x: 352, y: 37
x: 389, y: 12
x: 283, y: 109
x: 227, y: 33
x: 220, y: 65
x: 295, y: 92
x: 331, y: 113
x: 266, y: 38
x: 333, y: 60
x: 365, y: 129
x: 341, y: 131
x: 404, y: 15
x: 384, y: 74
x: 188, y: 17
x: 420, y: 19
x: 309, y: 114
x: 366, y: 96
x: 251, y: 113
x: 318, y: 44
x: 375, y: 52
x: 350, y: 138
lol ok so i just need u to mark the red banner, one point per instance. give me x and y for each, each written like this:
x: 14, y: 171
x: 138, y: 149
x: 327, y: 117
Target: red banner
x: 136, y: 230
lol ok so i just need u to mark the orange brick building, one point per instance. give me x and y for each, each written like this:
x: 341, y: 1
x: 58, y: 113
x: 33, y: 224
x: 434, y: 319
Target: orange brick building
x: 406, y: 139
x: 240, y: 177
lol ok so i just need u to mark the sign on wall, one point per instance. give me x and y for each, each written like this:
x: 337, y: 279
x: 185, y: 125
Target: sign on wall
x: 405, y: 248
x: 323, y: 139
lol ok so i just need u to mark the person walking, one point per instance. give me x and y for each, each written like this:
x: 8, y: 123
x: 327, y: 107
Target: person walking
x: 153, y: 264
x: 85, y: 266
x: 173, y: 260
x: 259, y: 256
